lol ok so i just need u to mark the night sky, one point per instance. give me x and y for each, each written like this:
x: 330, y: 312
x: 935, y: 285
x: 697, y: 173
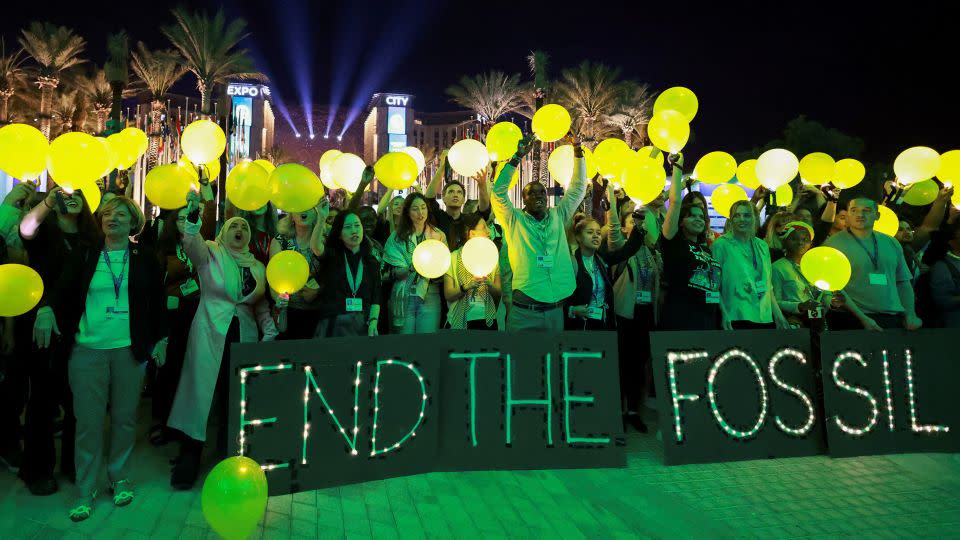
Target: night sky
x: 880, y: 73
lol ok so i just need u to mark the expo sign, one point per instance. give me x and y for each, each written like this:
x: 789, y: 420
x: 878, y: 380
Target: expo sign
x: 248, y: 90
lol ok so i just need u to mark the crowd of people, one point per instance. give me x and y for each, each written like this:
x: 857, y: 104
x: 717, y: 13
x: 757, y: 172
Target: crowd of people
x: 184, y: 289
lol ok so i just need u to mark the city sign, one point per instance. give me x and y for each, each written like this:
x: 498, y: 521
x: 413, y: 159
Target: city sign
x: 401, y: 101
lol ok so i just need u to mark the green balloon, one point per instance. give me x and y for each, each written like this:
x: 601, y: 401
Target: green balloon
x: 234, y: 497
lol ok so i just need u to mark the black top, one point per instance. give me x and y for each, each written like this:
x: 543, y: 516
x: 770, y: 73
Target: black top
x: 446, y: 223
x: 335, y: 288
x: 689, y: 270
x: 583, y: 293
x: 148, y: 308
x: 49, y: 250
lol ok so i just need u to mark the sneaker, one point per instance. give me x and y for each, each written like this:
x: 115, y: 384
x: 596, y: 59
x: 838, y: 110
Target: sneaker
x: 122, y: 491
x: 12, y: 458
x: 40, y: 486
x: 82, y: 508
x: 637, y: 423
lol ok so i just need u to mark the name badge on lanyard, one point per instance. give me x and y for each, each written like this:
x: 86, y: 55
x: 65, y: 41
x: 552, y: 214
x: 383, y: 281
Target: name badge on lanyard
x: 114, y: 312
x: 712, y: 297
x: 544, y: 261
x: 877, y: 278
x: 644, y: 297
x: 354, y: 304
x: 189, y: 287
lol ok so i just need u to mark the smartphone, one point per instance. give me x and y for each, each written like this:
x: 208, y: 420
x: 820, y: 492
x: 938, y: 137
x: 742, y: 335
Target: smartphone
x: 61, y: 203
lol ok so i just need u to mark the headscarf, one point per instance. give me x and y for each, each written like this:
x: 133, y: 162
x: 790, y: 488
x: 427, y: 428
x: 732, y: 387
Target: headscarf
x: 243, y: 258
x: 793, y: 226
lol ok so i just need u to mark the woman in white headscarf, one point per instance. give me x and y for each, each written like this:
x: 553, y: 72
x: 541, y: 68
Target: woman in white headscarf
x: 232, y: 308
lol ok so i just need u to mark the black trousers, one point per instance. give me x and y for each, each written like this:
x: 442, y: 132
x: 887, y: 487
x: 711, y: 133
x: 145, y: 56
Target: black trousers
x: 168, y: 377
x: 301, y: 324
x: 480, y: 325
x: 750, y: 325
x: 633, y: 341
x: 844, y: 320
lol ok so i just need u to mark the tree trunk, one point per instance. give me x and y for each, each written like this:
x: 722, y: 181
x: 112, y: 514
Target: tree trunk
x: 117, y: 105
x: 47, y: 85
x: 205, y: 101
x: 101, y: 113
x: 5, y: 106
x: 153, y: 150
x: 536, y: 151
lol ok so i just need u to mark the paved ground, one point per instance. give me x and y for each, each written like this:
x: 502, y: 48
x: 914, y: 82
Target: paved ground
x: 875, y: 497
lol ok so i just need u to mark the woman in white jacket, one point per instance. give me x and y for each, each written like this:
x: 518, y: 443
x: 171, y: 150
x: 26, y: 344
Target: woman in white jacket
x: 232, y: 308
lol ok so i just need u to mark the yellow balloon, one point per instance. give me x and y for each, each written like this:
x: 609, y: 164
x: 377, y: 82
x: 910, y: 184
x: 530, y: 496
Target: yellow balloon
x: 417, y: 156
x: 76, y: 158
x: 955, y: 198
x: 611, y: 156
x: 551, y: 123
x: 776, y: 167
x: 668, y: 130
x: 294, y: 188
x: 203, y: 141
x: 716, y: 168
x: 468, y: 157
x: 167, y: 186
x: 817, y: 168
x: 111, y: 155
x: 922, y: 193
x: 125, y: 149
x: 20, y: 289
x: 23, y: 151
x: 396, y: 170
x: 288, y: 271
x: 888, y: 223
x: 91, y: 193
x: 643, y: 179
x: 502, y: 140
x: 679, y: 99
x: 784, y: 195
x: 747, y: 174
x: 560, y: 164
x: 267, y: 166
x: 139, y: 138
x: 326, y: 168
x: 725, y: 195
x: 826, y: 268
x: 651, y: 152
x: 949, y: 171
x: 211, y: 171
x: 346, y: 171
x: 513, y: 179
x: 480, y: 256
x: 848, y: 173
x: 431, y: 259
x: 248, y: 186
x: 916, y: 164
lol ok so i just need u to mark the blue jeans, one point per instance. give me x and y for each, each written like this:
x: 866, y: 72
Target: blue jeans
x: 423, y: 316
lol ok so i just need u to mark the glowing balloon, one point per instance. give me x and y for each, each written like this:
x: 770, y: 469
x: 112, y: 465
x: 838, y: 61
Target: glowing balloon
x: 716, y: 168
x: 139, y: 138
x: 234, y: 497
x: 551, y: 123
x: 203, y: 141
x: 211, y: 171
x: 611, y: 156
x: 651, y: 152
x: 725, y: 195
x: 125, y: 149
x: 643, y: 179
x: 167, y: 186
x: 949, y: 172
x: 468, y: 157
x: 91, y: 193
x: 776, y: 167
x: 76, y: 158
x: 921, y: 193
x: 747, y: 174
x: 560, y: 164
x: 294, y: 188
x: 287, y: 272
x: 513, y: 179
x: 888, y: 223
x: 480, y: 256
x: 955, y: 198
x: 848, y: 173
x: 396, y: 170
x: 826, y: 268
x: 267, y: 166
x: 783, y: 196
x: 20, y: 289
x: 346, y: 171
x: 668, y: 130
x: 431, y: 259
x: 248, y: 186
x: 817, y: 168
x: 23, y: 151
x: 417, y: 156
x: 916, y: 164
x: 111, y: 155
x: 679, y: 99
x: 326, y: 165
x: 502, y: 140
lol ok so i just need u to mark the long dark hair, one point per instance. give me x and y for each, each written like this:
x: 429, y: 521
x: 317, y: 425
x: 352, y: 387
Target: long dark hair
x: 86, y: 224
x: 685, y: 210
x: 270, y: 218
x: 170, y: 235
x: 334, y: 245
x: 405, y: 228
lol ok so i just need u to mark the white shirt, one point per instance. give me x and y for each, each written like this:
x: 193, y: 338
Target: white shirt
x: 99, y: 328
x: 746, y: 290
x: 528, y: 238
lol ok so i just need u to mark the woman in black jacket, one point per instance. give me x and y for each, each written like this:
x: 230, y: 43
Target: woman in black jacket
x: 109, y: 300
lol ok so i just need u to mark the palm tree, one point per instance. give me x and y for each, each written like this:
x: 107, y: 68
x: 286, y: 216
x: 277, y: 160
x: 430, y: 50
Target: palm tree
x: 633, y: 112
x: 208, y: 46
x: 117, y: 72
x: 591, y: 92
x: 62, y: 112
x: 54, y: 48
x: 99, y: 93
x: 12, y: 77
x: 537, y: 61
x: 157, y: 71
x: 491, y: 95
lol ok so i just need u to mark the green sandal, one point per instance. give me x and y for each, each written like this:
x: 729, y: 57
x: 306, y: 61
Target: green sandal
x: 122, y: 491
x: 83, y: 508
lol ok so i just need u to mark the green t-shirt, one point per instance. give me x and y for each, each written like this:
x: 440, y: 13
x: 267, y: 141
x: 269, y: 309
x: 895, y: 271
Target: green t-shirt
x: 877, y: 265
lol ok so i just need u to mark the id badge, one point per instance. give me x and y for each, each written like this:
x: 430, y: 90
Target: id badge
x: 189, y: 287
x: 644, y: 297
x: 815, y: 313
x: 354, y: 305
x: 761, y: 287
x: 878, y: 279
x: 544, y: 261
x: 712, y: 297
x: 173, y: 302
x: 595, y: 313
x: 312, y: 284
x: 114, y: 314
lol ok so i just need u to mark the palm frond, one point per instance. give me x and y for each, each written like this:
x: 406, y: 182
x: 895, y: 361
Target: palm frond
x: 157, y: 70
x: 633, y: 111
x: 53, y: 48
x: 591, y: 92
x: 491, y: 95
x: 12, y: 71
x: 118, y: 48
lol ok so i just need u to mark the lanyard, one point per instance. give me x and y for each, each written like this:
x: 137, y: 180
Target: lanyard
x: 184, y: 259
x: 875, y: 256
x: 811, y: 290
x: 595, y: 276
x: 117, y: 280
x: 353, y: 282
